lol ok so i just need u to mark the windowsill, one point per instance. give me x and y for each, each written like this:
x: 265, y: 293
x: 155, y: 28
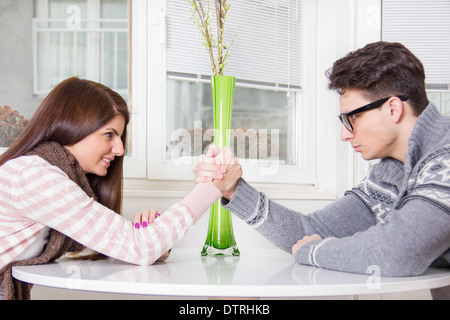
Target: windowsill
x: 141, y: 188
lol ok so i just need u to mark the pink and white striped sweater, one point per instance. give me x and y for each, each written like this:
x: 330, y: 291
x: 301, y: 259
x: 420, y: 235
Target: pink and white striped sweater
x: 35, y: 195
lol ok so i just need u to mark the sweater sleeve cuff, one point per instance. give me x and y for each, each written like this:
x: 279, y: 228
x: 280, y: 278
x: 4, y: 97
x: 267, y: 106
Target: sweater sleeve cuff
x: 307, y: 255
x: 202, y: 198
x: 244, y: 202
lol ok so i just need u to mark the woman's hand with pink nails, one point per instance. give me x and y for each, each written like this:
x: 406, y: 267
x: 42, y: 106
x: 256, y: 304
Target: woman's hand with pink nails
x: 144, y: 219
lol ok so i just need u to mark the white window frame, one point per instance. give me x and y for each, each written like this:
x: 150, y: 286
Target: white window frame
x: 135, y: 164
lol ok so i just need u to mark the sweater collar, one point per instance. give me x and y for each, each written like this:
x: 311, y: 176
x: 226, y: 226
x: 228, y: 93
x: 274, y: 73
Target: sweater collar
x: 428, y: 131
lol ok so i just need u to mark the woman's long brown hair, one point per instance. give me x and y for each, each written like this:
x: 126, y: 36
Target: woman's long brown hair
x: 73, y: 110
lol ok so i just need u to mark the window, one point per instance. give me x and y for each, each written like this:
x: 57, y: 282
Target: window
x: 423, y: 26
x: 86, y: 38
x: 47, y: 41
x: 269, y: 121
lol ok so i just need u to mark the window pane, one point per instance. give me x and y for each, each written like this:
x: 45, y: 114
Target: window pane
x: 261, y: 122
x: 84, y: 38
x: 115, y: 70
x: 45, y: 42
x: 441, y: 99
x: 61, y: 8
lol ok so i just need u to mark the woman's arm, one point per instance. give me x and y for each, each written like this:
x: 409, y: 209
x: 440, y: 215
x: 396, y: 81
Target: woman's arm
x: 47, y: 196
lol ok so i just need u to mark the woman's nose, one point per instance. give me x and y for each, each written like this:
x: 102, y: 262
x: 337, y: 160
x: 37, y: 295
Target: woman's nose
x: 118, y: 148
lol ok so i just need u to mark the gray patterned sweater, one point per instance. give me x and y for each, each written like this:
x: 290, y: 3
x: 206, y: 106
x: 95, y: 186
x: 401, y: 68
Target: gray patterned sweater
x: 397, y: 219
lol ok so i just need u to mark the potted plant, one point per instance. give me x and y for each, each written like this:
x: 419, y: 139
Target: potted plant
x: 220, y: 238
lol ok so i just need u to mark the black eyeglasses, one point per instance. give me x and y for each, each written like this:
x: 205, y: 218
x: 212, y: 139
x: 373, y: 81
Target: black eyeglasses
x: 345, y: 117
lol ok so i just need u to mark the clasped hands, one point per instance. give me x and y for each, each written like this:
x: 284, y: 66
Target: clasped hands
x: 218, y: 166
x: 221, y: 167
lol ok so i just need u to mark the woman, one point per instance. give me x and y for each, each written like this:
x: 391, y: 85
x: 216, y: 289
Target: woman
x: 61, y: 188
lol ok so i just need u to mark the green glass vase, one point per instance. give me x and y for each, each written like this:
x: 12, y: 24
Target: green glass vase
x: 220, y: 238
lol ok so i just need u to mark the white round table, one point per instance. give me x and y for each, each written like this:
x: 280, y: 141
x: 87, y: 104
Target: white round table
x: 269, y: 273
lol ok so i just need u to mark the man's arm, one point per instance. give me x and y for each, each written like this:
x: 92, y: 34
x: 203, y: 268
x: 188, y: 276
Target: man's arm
x: 406, y: 244
x: 284, y: 227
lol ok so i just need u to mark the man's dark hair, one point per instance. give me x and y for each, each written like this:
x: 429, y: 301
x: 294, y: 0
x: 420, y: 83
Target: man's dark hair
x: 380, y: 70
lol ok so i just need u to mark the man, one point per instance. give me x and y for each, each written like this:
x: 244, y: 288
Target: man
x: 398, y: 218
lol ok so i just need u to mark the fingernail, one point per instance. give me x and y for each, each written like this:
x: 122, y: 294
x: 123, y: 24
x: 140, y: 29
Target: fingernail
x: 144, y: 224
x: 158, y: 214
x: 136, y: 226
x: 223, y: 169
x: 151, y: 220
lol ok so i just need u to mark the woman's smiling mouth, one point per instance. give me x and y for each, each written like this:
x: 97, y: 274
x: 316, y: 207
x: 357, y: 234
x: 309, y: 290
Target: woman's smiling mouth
x: 107, y: 161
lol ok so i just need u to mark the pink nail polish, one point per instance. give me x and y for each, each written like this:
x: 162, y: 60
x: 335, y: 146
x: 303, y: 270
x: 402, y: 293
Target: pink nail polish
x: 144, y: 224
x: 151, y: 220
x: 136, y: 226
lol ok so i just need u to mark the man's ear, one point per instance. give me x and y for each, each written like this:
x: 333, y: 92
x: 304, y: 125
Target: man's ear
x: 396, y: 109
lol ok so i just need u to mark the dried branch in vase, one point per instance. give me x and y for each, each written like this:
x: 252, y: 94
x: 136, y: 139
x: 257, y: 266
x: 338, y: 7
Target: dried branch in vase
x: 202, y: 18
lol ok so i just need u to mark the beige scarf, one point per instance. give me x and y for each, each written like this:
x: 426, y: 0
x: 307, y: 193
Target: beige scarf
x: 58, y: 244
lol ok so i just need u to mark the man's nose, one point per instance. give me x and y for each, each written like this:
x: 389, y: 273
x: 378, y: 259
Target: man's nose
x: 345, y: 134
